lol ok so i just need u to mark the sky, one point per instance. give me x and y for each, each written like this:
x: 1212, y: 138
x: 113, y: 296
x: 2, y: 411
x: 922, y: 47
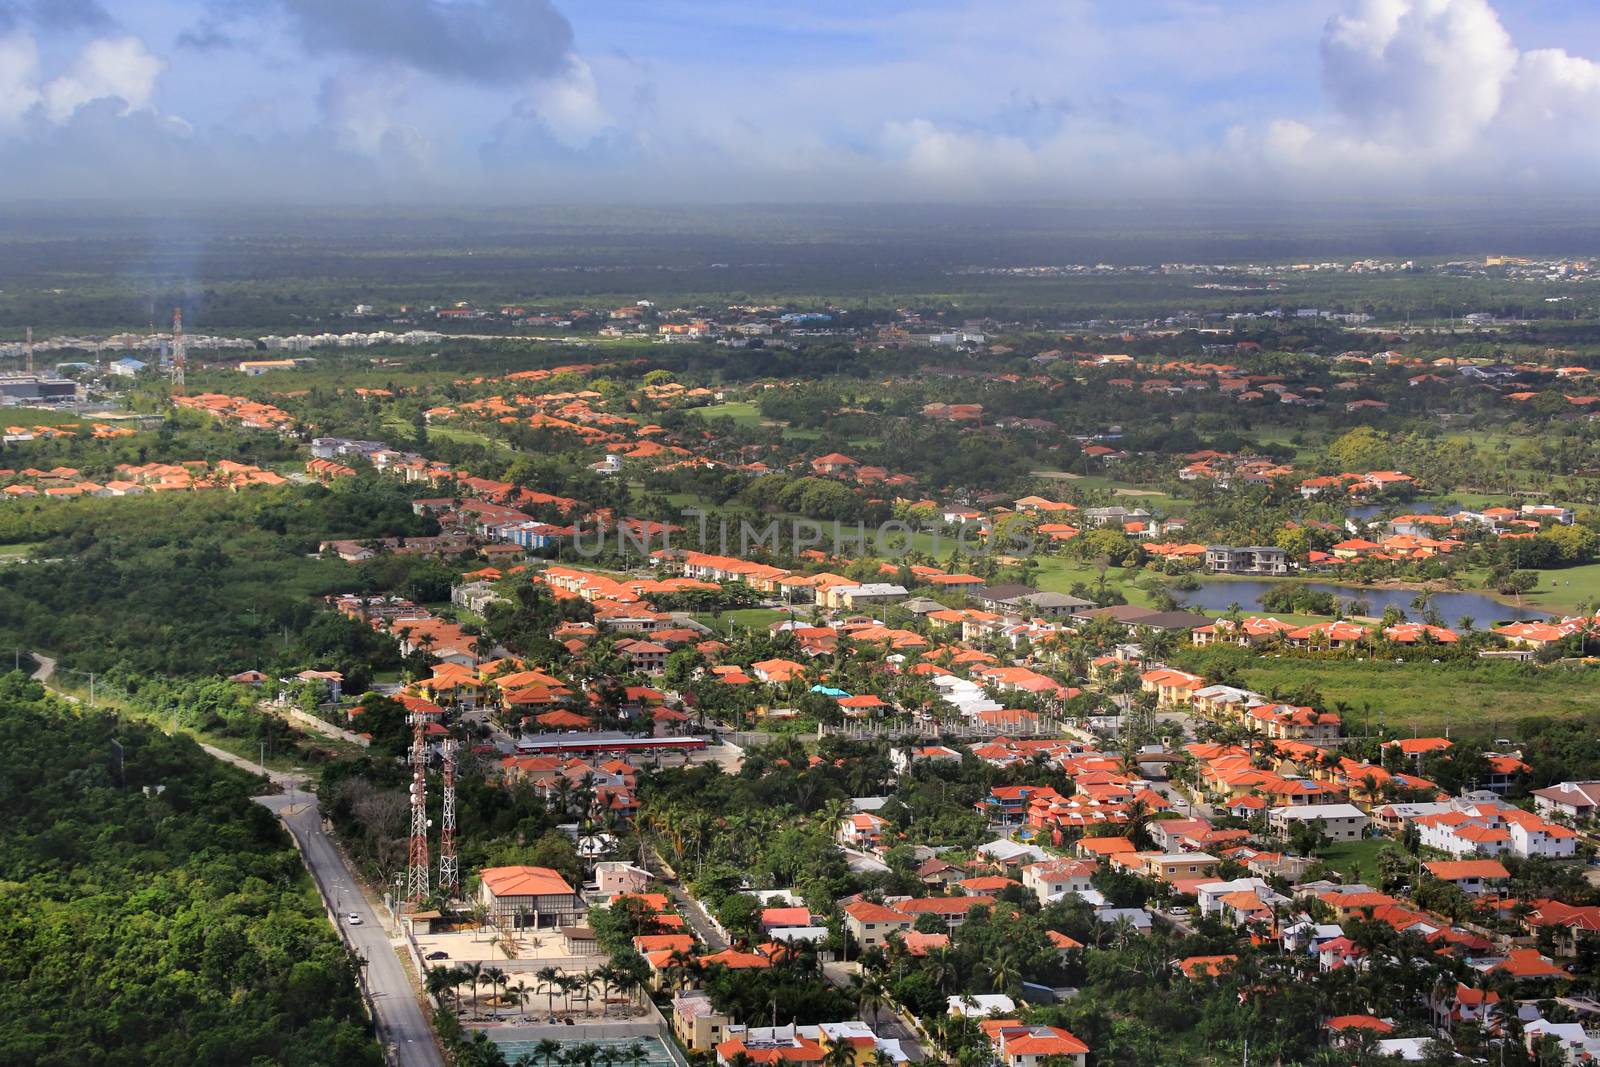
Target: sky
x: 769, y: 100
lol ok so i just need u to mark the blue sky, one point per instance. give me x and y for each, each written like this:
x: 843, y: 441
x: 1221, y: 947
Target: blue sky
x: 661, y: 100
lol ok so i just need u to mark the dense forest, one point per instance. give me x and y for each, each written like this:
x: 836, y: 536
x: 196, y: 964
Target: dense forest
x: 208, y: 583
x: 149, y: 911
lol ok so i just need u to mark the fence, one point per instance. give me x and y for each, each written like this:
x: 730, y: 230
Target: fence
x: 326, y: 728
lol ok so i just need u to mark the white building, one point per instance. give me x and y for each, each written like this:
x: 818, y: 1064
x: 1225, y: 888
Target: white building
x: 1575, y: 800
x: 982, y: 1005
x: 1340, y: 822
x: 1054, y: 879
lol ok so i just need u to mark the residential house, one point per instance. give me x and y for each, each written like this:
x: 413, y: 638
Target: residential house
x: 862, y: 831
x: 1573, y: 800
x: 871, y: 924
x: 1056, y: 878
x: 1339, y: 822
x: 1250, y: 559
x: 1472, y: 877
x: 1020, y: 1045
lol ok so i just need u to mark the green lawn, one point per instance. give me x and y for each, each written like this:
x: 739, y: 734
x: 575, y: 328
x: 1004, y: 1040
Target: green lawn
x: 13, y: 553
x: 1356, y: 861
x: 451, y: 433
x: 1567, y: 588
x: 1481, y: 698
x: 740, y: 411
x: 42, y: 417
x: 747, y: 618
x: 1058, y: 574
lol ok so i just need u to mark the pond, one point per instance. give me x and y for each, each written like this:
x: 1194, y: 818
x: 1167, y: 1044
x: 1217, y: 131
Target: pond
x: 1364, y: 512
x: 1247, y: 593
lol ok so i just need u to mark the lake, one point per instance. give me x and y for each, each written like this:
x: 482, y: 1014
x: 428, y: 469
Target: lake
x: 1364, y: 512
x: 1247, y: 593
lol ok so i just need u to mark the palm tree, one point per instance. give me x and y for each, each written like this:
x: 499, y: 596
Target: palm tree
x: 606, y: 978
x: 474, y: 974
x: 635, y: 1054
x: 497, y: 978
x: 550, y: 981
x: 570, y: 984
x: 941, y: 969
x: 1004, y: 973
x: 440, y: 980
x: 840, y: 1054
x: 547, y: 1049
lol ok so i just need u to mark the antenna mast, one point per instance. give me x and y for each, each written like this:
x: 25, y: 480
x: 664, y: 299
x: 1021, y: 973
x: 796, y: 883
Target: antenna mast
x: 177, y: 347
x: 417, y: 871
x: 28, y: 349
x: 449, y: 865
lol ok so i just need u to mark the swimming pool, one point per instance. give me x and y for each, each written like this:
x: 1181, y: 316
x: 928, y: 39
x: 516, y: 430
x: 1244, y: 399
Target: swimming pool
x: 656, y: 1054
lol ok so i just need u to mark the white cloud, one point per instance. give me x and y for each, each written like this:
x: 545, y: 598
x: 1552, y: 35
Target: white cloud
x: 951, y: 161
x: 19, y: 78
x: 1431, y: 72
x: 114, y: 68
x: 360, y: 107
x: 1432, y: 93
x: 569, y: 105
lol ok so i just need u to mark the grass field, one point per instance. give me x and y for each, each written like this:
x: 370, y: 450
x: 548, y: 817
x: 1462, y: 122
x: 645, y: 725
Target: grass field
x: 1357, y: 861
x: 1486, y: 700
x: 745, y: 618
x: 740, y: 411
x: 452, y: 433
x: 1058, y: 575
x: 22, y: 416
x: 1566, y: 589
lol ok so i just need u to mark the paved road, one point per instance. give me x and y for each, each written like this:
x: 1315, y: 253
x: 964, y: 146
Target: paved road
x: 688, y: 906
x: 402, y: 1024
x: 885, y: 1022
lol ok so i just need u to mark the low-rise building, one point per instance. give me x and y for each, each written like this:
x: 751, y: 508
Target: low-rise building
x: 1339, y: 822
x: 529, y: 898
x: 1249, y: 559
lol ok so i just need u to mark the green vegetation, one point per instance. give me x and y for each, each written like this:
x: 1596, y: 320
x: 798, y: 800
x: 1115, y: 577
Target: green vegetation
x: 1356, y: 861
x: 1472, y: 699
x: 152, y: 913
x: 207, y: 583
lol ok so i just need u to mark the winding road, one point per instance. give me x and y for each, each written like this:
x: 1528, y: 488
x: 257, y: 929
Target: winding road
x: 402, y: 1024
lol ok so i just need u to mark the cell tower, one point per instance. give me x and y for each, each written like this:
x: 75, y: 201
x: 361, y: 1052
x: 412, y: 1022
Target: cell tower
x: 417, y: 871
x: 177, y: 347
x: 28, y: 348
x: 449, y: 865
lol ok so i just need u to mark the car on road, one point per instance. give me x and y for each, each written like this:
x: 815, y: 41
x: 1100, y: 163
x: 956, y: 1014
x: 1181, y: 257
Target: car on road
x: 440, y: 955
x: 353, y: 919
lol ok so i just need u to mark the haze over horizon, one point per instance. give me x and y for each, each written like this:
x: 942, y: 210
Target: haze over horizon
x: 909, y: 100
